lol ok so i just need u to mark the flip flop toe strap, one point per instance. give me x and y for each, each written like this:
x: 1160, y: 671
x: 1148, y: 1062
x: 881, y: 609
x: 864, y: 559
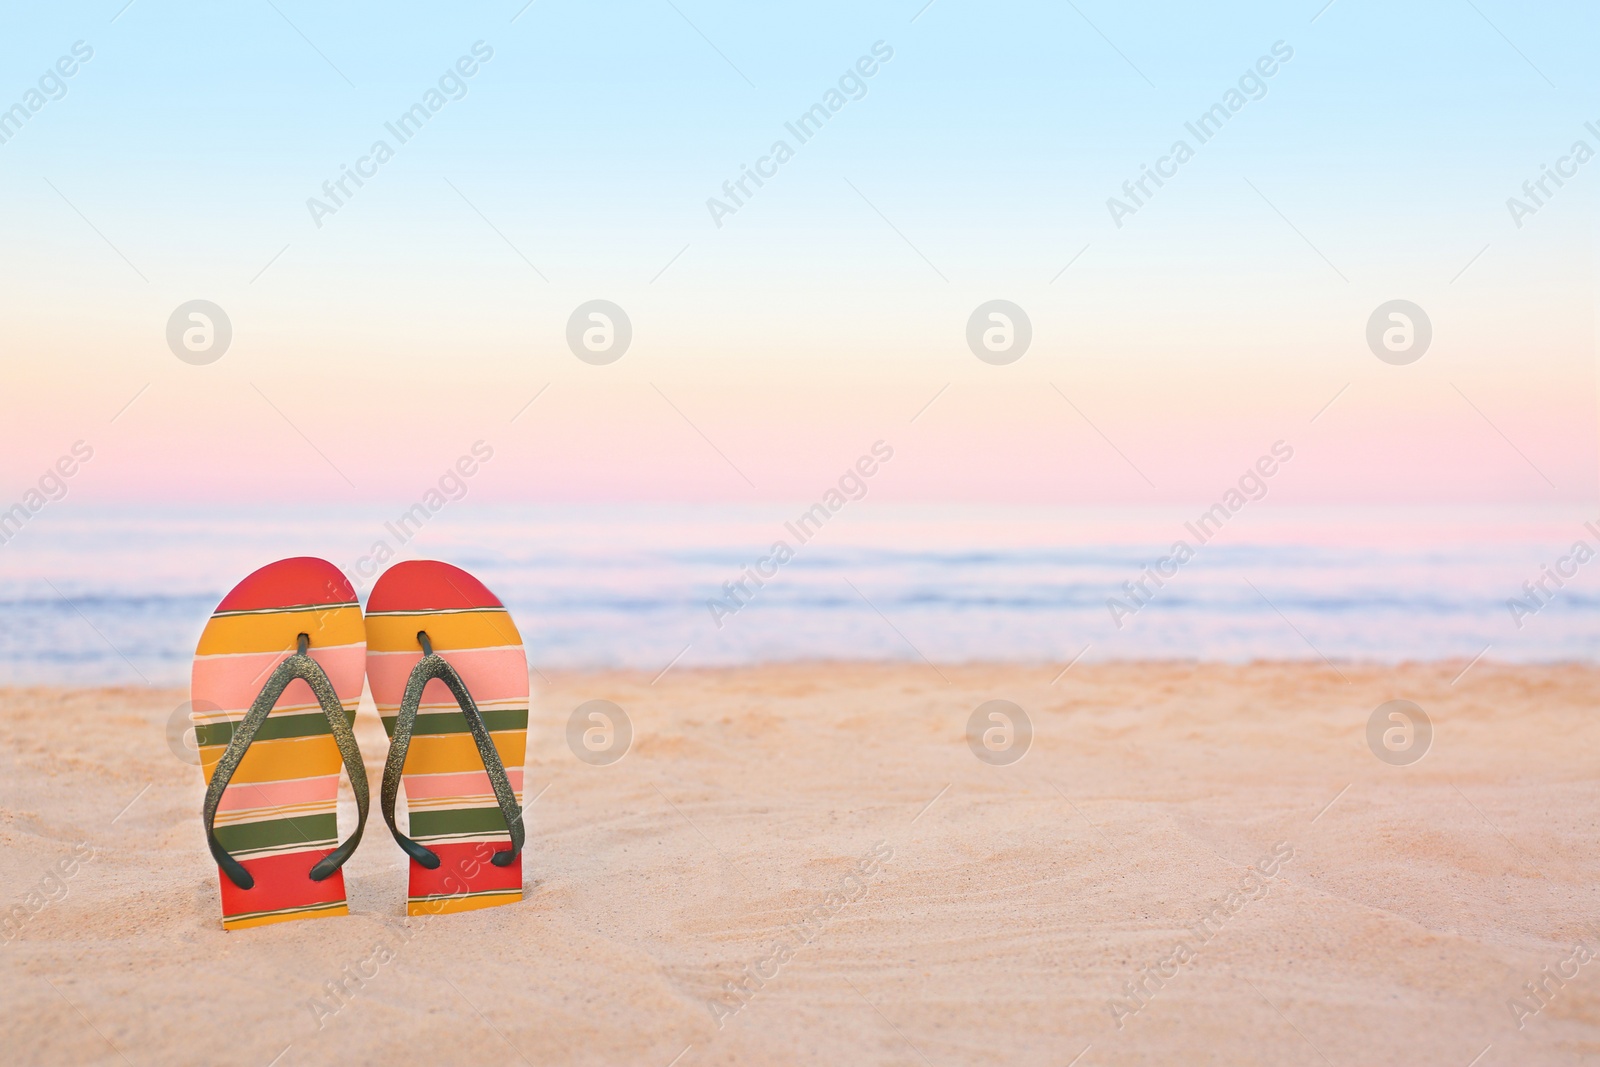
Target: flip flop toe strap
x: 302, y: 666
x: 431, y: 666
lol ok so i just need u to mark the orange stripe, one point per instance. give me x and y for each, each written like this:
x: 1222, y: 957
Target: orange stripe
x: 447, y: 631
x: 267, y: 920
x: 276, y: 631
x: 272, y: 761
x: 450, y: 905
x: 446, y: 753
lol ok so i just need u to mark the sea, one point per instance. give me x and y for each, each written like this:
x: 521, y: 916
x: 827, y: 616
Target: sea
x: 118, y: 596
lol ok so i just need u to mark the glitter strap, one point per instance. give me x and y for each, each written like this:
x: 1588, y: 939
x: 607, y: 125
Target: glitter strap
x: 431, y: 666
x: 302, y: 666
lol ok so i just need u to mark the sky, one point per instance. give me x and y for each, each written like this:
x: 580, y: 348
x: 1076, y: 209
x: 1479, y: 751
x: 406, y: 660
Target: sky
x: 378, y: 337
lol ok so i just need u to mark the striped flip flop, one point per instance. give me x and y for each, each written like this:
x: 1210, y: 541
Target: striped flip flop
x: 449, y: 676
x: 277, y: 678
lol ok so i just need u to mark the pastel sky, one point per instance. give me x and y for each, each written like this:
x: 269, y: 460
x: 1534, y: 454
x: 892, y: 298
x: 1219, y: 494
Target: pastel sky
x: 374, y: 345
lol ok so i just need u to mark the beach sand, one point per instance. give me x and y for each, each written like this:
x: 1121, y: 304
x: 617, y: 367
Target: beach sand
x: 1002, y: 910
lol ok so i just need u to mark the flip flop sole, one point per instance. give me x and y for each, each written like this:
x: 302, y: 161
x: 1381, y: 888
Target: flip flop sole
x: 277, y: 815
x: 451, y: 803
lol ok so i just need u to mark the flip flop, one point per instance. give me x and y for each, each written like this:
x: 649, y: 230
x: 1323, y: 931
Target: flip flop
x: 449, y: 676
x: 271, y: 748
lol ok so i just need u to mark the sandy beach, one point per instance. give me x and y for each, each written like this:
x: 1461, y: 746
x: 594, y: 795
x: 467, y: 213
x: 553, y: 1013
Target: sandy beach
x: 807, y: 864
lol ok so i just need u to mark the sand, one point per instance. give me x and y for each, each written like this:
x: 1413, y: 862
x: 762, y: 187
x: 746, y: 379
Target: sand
x: 1001, y: 913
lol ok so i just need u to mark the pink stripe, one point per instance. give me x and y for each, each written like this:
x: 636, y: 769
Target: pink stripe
x: 245, y: 796
x: 232, y: 682
x: 467, y: 783
x: 491, y: 674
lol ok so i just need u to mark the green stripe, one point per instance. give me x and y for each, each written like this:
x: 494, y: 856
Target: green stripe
x: 460, y: 896
x: 273, y: 728
x: 285, y: 609
x: 458, y: 821
x: 431, y: 611
x: 455, y: 722
x: 307, y: 908
x: 307, y: 830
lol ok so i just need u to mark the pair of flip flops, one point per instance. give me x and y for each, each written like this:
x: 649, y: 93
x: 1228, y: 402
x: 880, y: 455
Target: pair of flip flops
x: 277, y: 680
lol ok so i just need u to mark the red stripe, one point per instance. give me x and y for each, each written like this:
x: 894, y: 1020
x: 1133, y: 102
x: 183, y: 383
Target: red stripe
x: 428, y: 585
x: 289, y: 582
x: 464, y: 867
x: 281, y: 882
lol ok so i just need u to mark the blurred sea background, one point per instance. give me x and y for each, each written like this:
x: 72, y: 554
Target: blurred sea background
x: 120, y: 596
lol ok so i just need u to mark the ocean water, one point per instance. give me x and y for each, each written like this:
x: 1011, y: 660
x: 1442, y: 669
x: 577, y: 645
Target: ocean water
x: 120, y: 596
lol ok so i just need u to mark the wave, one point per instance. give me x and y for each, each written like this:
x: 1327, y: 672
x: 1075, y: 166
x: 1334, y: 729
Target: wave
x: 123, y: 599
